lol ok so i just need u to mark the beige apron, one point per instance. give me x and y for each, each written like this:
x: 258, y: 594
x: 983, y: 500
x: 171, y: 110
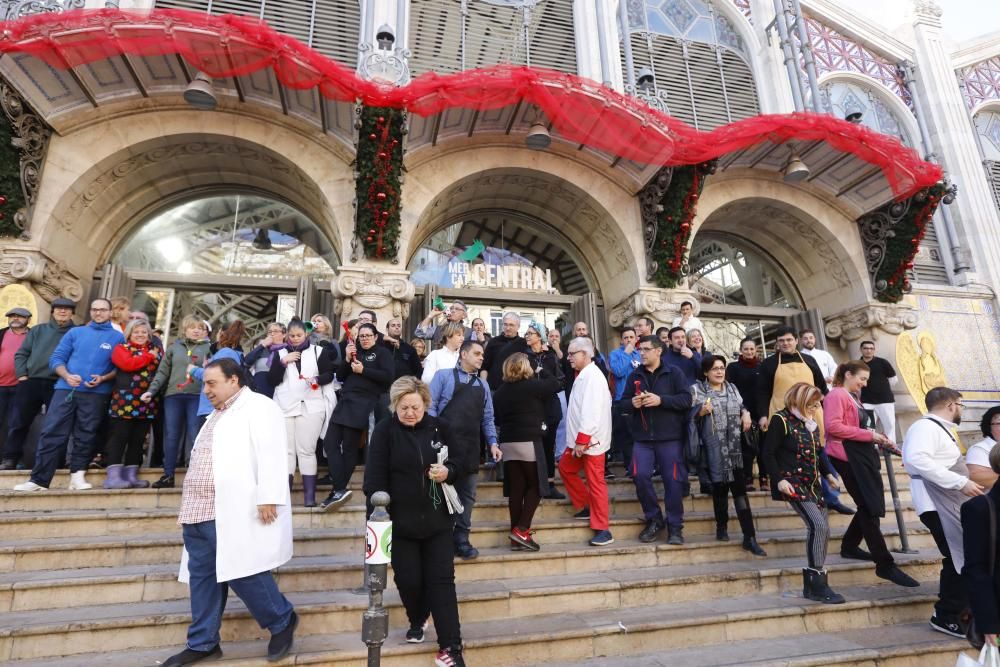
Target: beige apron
x: 786, y: 376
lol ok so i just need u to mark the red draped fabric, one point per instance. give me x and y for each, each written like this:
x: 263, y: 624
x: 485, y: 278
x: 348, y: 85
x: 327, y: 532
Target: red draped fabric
x: 581, y: 110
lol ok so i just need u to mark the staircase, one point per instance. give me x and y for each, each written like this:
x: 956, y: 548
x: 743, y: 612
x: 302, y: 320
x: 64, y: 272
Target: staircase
x: 89, y: 578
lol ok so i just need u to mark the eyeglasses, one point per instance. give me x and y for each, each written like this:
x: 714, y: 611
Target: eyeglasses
x: 100, y: 310
x: 717, y: 368
x: 961, y: 405
x: 572, y: 352
x: 365, y: 337
x: 646, y: 349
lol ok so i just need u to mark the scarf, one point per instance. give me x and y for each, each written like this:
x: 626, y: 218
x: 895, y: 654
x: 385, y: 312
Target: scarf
x: 754, y: 363
x: 811, y: 424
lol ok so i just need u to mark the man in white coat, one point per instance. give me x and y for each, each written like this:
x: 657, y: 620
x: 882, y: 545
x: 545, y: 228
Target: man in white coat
x: 236, y: 516
x: 588, y: 437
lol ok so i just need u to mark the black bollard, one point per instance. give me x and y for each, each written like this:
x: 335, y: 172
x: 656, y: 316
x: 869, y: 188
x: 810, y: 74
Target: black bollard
x: 378, y: 545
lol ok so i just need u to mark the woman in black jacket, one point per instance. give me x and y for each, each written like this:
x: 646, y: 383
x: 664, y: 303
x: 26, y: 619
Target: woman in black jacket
x: 540, y: 356
x: 402, y: 461
x: 519, y: 406
x: 791, y: 456
x: 365, y: 374
x: 981, y: 574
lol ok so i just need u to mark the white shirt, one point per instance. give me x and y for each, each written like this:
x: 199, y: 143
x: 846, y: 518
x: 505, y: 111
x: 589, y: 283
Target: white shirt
x: 929, y: 451
x: 692, y: 323
x: 589, y: 410
x: 979, y: 453
x: 437, y: 360
x: 825, y: 361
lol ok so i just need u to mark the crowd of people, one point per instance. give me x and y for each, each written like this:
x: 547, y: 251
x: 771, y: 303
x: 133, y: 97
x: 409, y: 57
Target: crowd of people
x: 426, y: 414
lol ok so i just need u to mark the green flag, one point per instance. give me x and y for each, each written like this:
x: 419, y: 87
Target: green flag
x: 473, y: 251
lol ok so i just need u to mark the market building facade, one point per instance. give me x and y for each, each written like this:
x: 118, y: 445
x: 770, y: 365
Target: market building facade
x: 251, y: 207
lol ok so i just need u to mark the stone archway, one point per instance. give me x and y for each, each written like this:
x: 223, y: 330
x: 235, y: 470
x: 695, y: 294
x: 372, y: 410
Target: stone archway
x: 572, y: 202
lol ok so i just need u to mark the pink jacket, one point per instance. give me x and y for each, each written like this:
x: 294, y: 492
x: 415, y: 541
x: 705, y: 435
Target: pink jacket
x: 840, y: 421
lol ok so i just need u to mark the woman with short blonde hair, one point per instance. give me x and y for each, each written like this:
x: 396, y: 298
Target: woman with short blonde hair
x: 445, y: 357
x: 408, y: 384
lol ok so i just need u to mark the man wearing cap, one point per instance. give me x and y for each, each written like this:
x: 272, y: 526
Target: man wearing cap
x: 35, y: 381
x: 82, y: 360
x: 11, y: 338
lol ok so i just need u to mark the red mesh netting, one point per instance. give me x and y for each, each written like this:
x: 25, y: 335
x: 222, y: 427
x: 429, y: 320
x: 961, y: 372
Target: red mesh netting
x: 580, y: 110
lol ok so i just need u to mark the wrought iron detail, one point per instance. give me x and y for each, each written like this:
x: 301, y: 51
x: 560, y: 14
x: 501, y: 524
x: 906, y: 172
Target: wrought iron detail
x: 382, y: 65
x: 650, y: 208
x: 651, y: 95
x: 15, y: 9
x: 31, y: 137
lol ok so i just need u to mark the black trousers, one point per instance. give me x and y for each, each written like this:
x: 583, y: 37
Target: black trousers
x: 29, y: 397
x: 424, y: 572
x: 341, y: 446
x: 125, y: 440
x: 720, y: 503
x: 522, y: 485
x: 952, y: 596
x: 863, y: 524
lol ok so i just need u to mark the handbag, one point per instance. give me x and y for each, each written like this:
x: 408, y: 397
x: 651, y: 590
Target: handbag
x: 751, y: 439
x: 989, y: 656
x: 975, y: 637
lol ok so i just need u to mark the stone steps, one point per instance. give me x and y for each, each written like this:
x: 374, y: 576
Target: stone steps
x: 559, y: 635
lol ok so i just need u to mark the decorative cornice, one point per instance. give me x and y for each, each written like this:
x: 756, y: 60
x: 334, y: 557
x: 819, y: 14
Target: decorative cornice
x: 866, y: 321
x: 31, y: 138
x: 661, y: 304
x: 49, y: 277
x: 372, y: 287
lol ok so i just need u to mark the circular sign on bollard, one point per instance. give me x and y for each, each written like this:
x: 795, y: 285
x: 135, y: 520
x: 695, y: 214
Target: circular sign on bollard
x: 378, y: 543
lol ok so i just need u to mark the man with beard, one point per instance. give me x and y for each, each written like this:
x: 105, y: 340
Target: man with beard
x: 823, y: 358
x: 459, y: 397
x: 780, y: 371
x: 682, y: 357
x: 500, y: 347
x: 939, y: 484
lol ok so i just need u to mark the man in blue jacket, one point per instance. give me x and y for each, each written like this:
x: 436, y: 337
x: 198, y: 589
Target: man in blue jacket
x: 657, y: 398
x: 461, y: 398
x: 682, y: 357
x: 82, y: 360
x: 624, y: 360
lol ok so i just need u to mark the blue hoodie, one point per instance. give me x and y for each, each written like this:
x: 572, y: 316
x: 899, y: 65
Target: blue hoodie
x: 86, y: 351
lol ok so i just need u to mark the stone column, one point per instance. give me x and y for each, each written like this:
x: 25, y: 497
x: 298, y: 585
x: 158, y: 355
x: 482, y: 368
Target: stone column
x: 45, y: 277
x: 881, y: 323
x: 953, y: 140
x: 662, y: 305
x: 382, y: 288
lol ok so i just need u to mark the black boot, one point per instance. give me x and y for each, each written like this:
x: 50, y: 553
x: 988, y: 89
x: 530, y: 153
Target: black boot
x: 815, y: 587
x: 750, y: 544
x: 721, y: 532
x: 745, y: 517
x: 309, y: 490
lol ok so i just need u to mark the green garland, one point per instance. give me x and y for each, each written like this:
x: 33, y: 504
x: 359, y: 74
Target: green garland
x: 679, y: 205
x: 890, y: 282
x: 379, y: 166
x: 11, y: 195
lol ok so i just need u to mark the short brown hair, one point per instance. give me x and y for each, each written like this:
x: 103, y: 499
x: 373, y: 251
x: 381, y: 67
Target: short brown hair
x: 232, y: 334
x: 800, y: 395
x: 517, y: 368
x: 852, y: 367
x: 406, y: 385
x: 939, y: 395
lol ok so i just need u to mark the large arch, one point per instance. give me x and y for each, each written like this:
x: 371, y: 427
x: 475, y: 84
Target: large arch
x: 574, y: 204
x: 812, y: 237
x: 105, y: 178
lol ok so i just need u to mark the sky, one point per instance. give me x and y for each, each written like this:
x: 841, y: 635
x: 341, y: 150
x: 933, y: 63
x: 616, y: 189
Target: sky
x: 963, y: 20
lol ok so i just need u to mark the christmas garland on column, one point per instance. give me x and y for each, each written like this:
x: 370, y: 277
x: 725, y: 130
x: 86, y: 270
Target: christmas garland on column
x: 11, y: 195
x: 677, y: 209
x: 378, y: 180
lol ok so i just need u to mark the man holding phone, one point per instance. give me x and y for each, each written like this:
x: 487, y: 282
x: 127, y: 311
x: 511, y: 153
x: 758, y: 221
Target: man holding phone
x: 657, y: 398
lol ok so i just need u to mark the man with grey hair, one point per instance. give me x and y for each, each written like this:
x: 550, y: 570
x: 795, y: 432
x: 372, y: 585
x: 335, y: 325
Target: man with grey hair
x: 429, y: 330
x: 500, y: 347
x: 588, y: 438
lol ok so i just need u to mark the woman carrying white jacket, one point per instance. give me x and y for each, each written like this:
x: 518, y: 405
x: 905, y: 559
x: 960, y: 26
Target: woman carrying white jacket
x: 302, y: 377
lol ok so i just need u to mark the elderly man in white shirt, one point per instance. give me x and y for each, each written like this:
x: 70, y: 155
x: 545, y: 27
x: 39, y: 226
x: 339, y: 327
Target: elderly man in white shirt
x: 939, y: 484
x: 807, y: 337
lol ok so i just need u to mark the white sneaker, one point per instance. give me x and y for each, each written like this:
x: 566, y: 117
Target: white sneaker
x: 29, y: 486
x: 78, y: 481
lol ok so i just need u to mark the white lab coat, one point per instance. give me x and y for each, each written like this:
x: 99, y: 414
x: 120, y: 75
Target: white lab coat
x: 589, y: 410
x: 250, y: 465
x: 296, y: 397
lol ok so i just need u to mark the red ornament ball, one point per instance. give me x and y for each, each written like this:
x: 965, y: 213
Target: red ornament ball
x: 685, y: 226
x: 380, y: 196
x: 381, y: 119
x: 3, y: 200
x: 382, y: 155
x: 373, y: 136
x: 369, y: 239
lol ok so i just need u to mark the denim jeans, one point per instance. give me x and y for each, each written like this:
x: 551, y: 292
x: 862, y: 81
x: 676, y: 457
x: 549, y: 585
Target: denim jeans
x: 180, y: 415
x: 259, y: 592
x: 70, y: 413
x: 668, y: 456
x: 465, y: 484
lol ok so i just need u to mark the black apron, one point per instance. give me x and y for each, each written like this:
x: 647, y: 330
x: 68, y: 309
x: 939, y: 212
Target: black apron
x: 866, y: 465
x: 464, y: 414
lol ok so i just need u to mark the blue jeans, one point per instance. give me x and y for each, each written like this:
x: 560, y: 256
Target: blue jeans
x: 830, y: 496
x: 259, y: 592
x: 668, y: 457
x: 180, y: 415
x: 70, y: 413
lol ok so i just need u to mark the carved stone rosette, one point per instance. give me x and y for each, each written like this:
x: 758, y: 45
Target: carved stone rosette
x: 31, y: 138
x: 386, y: 291
x: 660, y: 304
x: 868, y: 320
x: 48, y: 277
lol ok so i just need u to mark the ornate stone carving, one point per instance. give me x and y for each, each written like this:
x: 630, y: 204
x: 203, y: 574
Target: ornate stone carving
x: 49, y: 277
x: 650, y: 209
x: 660, y: 304
x: 373, y: 288
x: 927, y: 9
x: 15, y: 9
x: 866, y: 321
x: 31, y: 137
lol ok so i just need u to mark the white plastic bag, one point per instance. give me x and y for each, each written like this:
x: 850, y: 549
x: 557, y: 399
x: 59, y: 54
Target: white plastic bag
x: 988, y: 657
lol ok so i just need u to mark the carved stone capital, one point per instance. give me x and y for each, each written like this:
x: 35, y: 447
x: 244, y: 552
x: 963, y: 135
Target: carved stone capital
x: 662, y: 305
x: 868, y: 320
x: 385, y: 290
x: 49, y: 277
